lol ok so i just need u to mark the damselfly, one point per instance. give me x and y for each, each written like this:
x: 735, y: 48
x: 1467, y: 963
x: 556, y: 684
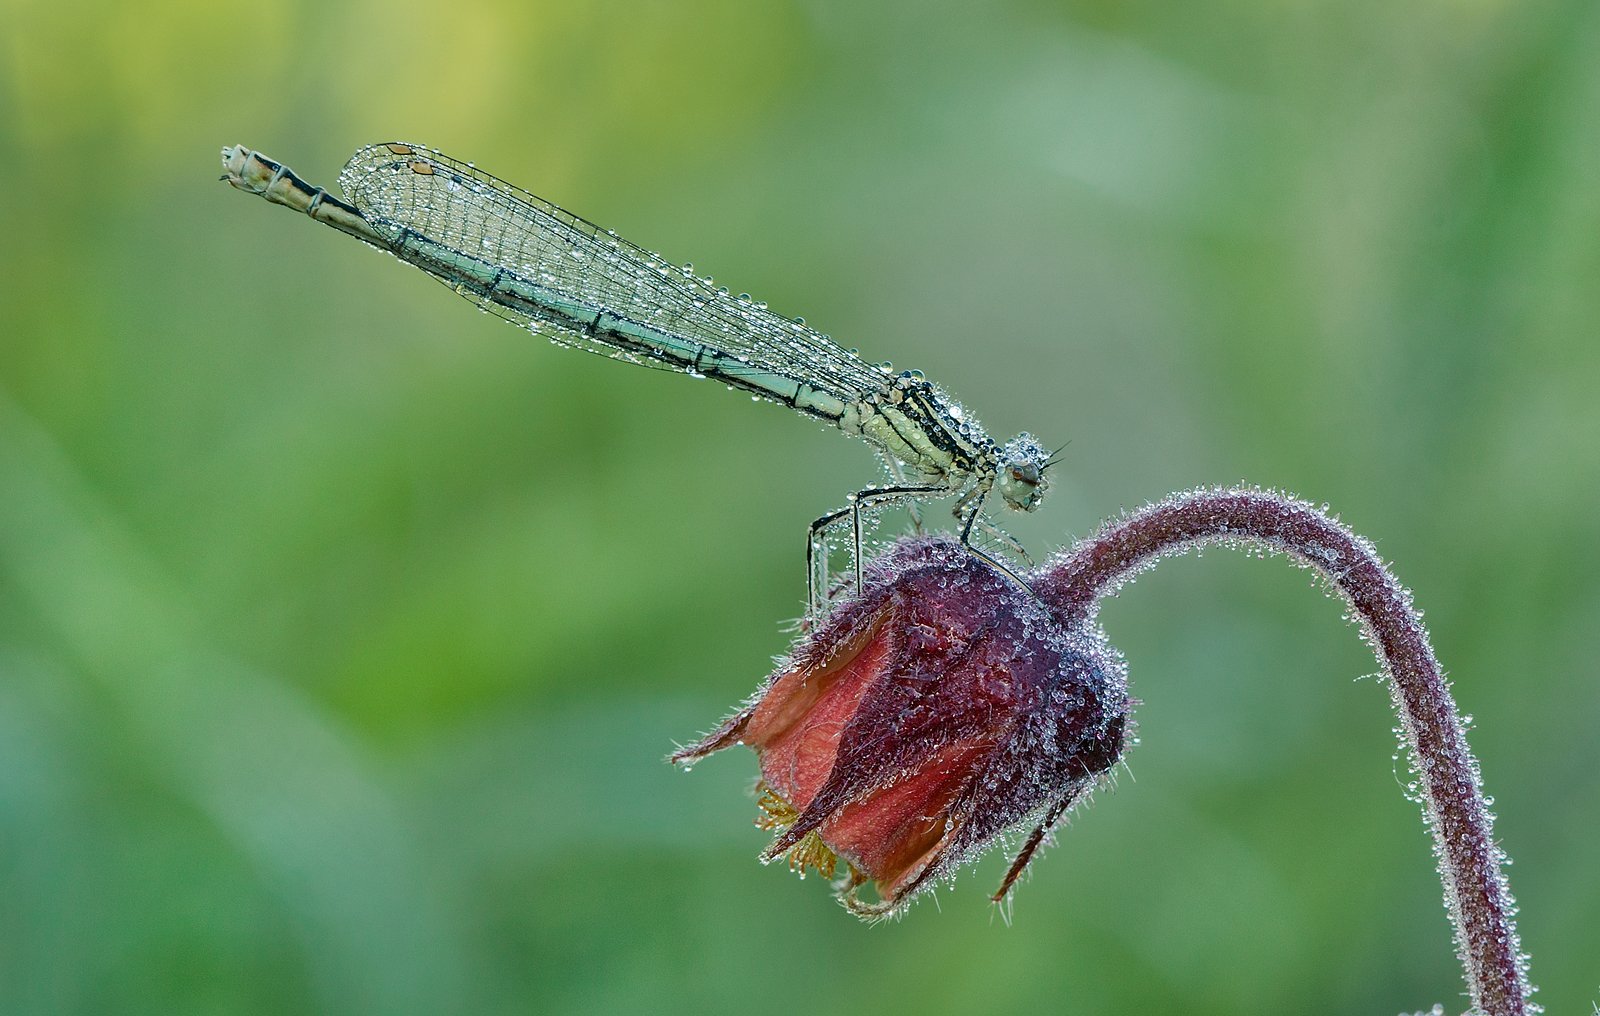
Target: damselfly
x: 547, y: 270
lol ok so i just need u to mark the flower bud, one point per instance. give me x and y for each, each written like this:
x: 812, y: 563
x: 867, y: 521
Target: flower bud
x: 921, y: 719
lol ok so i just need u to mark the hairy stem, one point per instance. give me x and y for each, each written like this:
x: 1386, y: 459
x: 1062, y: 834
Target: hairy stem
x: 1476, y: 893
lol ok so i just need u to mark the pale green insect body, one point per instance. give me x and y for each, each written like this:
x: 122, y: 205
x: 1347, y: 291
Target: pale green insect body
x: 534, y: 264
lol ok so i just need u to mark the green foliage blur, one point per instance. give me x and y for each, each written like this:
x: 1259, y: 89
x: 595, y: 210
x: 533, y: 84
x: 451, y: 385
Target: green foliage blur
x: 343, y: 630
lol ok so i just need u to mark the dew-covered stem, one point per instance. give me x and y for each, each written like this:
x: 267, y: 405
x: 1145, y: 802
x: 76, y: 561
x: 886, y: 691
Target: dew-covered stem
x: 1470, y: 862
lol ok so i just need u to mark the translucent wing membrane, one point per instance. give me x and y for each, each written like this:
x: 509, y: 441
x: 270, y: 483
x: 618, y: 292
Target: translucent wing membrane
x: 537, y: 265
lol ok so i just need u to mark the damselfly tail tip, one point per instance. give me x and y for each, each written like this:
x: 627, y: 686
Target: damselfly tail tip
x: 233, y: 159
x: 239, y: 166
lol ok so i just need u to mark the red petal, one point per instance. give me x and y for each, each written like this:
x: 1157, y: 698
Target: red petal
x: 798, y: 722
x: 895, y: 833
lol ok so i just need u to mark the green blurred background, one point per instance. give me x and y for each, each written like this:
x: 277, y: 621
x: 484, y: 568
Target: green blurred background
x: 343, y: 629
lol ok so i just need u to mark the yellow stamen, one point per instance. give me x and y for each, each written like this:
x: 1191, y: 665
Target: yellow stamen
x: 777, y: 815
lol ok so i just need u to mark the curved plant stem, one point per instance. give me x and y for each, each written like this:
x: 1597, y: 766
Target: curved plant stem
x: 1476, y: 893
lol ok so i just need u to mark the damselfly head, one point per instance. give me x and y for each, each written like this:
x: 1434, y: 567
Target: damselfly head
x: 1022, y: 481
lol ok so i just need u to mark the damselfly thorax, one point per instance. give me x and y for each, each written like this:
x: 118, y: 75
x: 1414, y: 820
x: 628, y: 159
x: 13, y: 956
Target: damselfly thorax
x: 543, y: 268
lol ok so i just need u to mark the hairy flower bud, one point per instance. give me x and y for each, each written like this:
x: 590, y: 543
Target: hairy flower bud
x: 922, y: 719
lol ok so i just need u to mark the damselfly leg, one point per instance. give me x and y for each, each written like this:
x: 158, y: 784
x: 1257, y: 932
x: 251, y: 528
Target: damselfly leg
x: 816, y: 536
x: 968, y: 512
